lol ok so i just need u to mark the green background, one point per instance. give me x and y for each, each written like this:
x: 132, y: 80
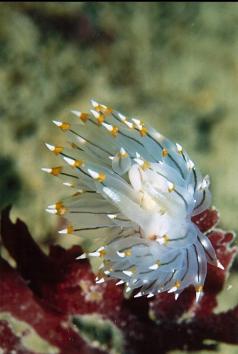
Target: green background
x: 174, y: 65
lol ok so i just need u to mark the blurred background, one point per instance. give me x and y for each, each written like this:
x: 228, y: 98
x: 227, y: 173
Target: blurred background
x: 174, y: 65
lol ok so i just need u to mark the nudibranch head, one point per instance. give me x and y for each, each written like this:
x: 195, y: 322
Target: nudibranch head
x: 139, y: 191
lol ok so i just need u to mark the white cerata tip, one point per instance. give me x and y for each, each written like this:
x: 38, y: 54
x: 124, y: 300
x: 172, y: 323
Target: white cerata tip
x: 50, y: 147
x: 120, y: 282
x: 69, y: 161
x: 93, y: 174
x: 219, y: 265
x: 76, y: 113
x: 63, y: 232
x: 199, y: 295
x: 46, y: 169
x: 100, y: 281
x: 121, y: 116
x: 51, y: 211
x: 57, y: 122
x: 82, y: 256
x: 138, y: 295
x: 95, y: 113
x: 94, y: 103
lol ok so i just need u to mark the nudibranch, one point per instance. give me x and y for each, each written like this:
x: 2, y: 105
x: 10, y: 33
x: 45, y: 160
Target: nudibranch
x: 138, y: 192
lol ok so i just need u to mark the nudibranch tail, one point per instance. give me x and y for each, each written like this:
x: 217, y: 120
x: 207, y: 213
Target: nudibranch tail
x: 135, y: 193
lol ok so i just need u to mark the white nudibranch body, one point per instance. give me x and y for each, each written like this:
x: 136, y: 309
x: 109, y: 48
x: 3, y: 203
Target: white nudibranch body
x: 136, y: 194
